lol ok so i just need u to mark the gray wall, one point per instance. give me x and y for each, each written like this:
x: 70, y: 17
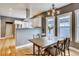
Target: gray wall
x: 5, y: 19
x: 68, y: 8
x: 23, y: 35
x: 3, y: 24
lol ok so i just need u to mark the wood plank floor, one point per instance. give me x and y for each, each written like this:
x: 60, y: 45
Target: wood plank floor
x: 26, y: 51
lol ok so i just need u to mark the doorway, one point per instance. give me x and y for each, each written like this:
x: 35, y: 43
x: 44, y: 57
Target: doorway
x: 9, y: 29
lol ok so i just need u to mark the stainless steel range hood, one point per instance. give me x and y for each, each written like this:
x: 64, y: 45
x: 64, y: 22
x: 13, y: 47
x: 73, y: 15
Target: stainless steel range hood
x: 27, y: 15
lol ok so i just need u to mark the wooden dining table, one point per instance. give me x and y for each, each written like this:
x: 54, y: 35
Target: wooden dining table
x: 42, y: 43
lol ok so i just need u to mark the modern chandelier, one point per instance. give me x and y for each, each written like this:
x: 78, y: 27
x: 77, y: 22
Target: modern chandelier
x: 53, y: 11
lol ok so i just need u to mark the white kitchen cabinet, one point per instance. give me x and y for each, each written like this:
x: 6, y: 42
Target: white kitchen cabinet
x: 36, y: 22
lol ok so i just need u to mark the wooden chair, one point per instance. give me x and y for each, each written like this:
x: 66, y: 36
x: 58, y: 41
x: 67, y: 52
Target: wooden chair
x: 51, y: 50
x: 63, y: 45
x: 36, y: 36
x: 56, y: 49
x: 67, y: 45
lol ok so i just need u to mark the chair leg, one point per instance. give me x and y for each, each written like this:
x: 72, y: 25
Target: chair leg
x: 44, y: 53
x: 56, y: 51
x: 64, y: 53
x: 69, y: 52
x: 48, y: 54
x: 61, y: 53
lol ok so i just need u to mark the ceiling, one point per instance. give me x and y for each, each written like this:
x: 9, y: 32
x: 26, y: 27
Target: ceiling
x: 19, y: 9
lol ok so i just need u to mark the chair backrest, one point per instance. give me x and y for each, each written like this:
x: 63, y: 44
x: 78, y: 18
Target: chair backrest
x: 36, y: 36
x: 61, y: 44
x: 67, y: 42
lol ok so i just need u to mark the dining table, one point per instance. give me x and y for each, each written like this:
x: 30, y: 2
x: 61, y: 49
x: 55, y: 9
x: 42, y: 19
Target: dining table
x: 42, y: 43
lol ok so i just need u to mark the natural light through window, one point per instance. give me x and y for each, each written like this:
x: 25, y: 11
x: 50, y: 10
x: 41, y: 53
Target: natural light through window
x: 64, y: 26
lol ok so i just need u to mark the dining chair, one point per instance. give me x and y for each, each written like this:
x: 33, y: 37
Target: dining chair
x: 63, y: 45
x: 51, y: 50
x: 68, y: 45
x: 36, y: 36
x: 56, y: 49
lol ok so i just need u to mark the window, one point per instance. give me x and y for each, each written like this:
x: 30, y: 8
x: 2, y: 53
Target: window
x: 77, y: 26
x: 50, y: 27
x: 64, y: 25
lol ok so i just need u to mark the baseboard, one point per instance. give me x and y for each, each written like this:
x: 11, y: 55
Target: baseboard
x: 25, y: 45
x: 76, y: 50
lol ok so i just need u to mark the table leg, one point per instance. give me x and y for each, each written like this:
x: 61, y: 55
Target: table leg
x: 33, y: 49
x: 39, y: 51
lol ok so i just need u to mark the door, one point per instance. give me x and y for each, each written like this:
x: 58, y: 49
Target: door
x: 9, y: 29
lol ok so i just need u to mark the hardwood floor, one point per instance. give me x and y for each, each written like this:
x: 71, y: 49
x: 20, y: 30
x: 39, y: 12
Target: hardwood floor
x: 7, y: 46
x: 27, y: 51
x: 24, y: 51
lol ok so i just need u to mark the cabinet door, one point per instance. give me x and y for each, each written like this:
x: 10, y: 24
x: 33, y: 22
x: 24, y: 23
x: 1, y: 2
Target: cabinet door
x: 37, y: 22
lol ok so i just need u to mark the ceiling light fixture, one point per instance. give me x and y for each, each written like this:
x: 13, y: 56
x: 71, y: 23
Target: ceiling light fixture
x: 53, y: 11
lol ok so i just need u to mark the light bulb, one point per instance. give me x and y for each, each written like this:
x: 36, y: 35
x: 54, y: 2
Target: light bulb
x: 53, y: 11
x: 52, y: 14
x: 58, y: 12
x: 48, y: 13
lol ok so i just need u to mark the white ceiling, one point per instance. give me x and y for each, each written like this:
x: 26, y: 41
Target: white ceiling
x: 19, y: 9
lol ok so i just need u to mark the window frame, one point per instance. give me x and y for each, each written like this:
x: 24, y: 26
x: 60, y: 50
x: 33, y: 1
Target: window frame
x: 76, y: 14
x: 47, y: 24
x: 63, y: 15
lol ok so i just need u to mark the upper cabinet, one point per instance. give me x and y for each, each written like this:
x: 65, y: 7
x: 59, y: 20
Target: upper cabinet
x: 36, y: 22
